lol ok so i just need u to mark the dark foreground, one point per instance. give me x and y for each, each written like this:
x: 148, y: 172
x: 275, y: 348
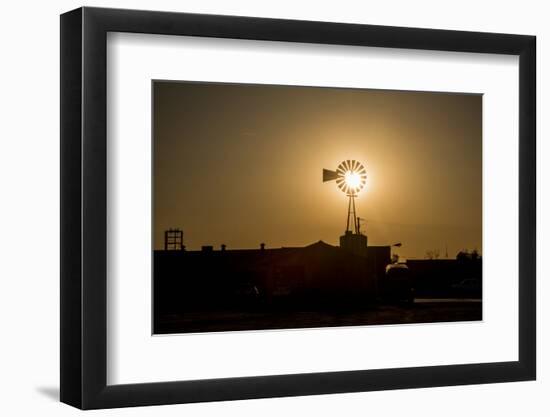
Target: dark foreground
x: 421, y: 311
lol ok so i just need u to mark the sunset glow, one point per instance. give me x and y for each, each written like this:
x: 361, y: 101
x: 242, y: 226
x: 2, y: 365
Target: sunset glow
x: 353, y: 180
x: 242, y: 164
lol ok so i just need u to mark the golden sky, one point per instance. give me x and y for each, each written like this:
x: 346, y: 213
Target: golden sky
x: 241, y: 164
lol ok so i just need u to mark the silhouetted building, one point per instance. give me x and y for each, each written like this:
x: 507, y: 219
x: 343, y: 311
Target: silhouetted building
x: 315, y: 275
x: 355, y: 243
x: 444, y: 277
x: 377, y: 256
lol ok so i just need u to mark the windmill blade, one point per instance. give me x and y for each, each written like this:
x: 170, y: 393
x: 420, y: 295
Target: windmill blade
x: 352, y: 185
x: 329, y: 175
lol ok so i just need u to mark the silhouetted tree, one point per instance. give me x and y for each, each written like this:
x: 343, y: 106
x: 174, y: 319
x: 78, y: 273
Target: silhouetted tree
x: 464, y: 255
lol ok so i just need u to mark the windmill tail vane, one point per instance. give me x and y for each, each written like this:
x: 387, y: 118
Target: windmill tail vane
x: 329, y: 175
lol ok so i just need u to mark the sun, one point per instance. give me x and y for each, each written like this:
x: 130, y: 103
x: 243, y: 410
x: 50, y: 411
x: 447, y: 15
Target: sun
x: 353, y: 180
x: 350, y: 176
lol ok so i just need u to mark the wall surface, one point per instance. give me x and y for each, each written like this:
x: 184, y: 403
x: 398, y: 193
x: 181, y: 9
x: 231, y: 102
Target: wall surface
x: 29, y: 213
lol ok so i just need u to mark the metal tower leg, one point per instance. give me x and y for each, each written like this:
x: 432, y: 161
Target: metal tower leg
x: 354, y: 214
x: 351, y: 214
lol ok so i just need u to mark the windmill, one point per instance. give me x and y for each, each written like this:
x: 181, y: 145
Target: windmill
x: 350, y: 177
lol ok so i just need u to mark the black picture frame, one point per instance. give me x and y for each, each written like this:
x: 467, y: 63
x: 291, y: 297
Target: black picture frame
x: 84, y: 207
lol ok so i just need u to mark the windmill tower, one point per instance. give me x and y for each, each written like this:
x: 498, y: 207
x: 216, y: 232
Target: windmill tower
x: 350, y: 177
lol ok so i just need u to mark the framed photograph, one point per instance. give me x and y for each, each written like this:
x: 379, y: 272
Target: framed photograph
x: 258, y: 208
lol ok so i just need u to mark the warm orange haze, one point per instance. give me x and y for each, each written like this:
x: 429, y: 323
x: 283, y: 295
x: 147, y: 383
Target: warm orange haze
x: 241, y: 165
x: 282, y: 207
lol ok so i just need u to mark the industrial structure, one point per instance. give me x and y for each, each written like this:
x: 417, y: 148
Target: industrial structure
x: 350, y: 177
x: 173, y: 239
